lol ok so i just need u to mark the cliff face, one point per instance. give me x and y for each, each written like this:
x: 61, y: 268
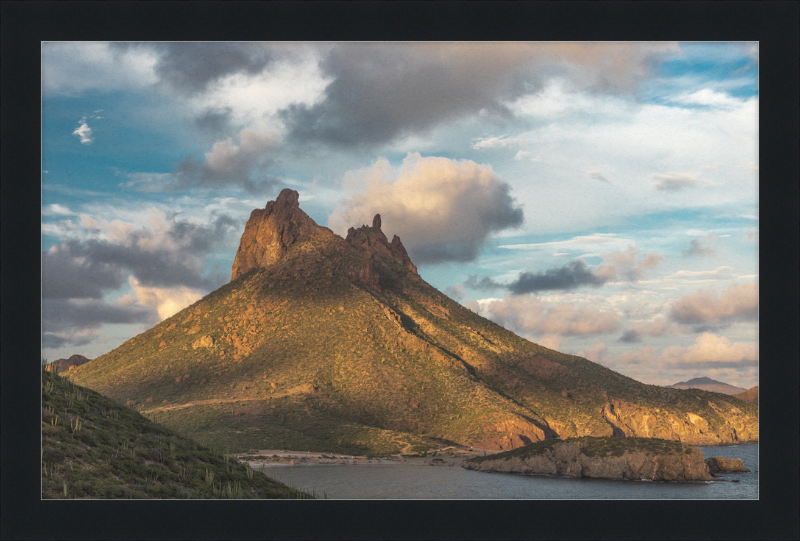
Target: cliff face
x: 575, y: 459
x: 722, y: 423
x: 270, y: 232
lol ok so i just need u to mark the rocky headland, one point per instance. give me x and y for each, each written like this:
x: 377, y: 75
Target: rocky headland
x: 603, y: 458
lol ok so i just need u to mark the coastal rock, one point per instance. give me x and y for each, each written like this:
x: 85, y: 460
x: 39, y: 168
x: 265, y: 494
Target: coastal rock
x: 577, y: 458
x: 717, y: 464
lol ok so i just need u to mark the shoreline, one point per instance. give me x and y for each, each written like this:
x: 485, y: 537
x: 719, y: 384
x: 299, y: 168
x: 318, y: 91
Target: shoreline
x: 268, y: 458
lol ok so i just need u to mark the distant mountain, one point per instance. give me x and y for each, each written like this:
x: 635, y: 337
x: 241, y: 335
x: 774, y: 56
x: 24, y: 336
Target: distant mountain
x: 750, y: 396
x: 63, y: 365
x: 707, y: 384
x: 332, y: 344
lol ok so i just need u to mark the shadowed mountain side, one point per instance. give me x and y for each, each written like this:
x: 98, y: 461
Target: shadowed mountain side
x: 332, y: 344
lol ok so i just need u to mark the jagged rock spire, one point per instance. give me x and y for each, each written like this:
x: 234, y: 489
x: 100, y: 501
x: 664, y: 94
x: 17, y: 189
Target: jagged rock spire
x: 271, y: 231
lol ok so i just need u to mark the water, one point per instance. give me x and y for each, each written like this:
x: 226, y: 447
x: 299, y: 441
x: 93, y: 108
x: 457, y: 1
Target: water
x: 407, y: 481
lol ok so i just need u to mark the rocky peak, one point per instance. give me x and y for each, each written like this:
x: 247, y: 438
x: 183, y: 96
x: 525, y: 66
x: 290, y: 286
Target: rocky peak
x: 63, y: 365
x: 375, y: 241
x: 271, y: 231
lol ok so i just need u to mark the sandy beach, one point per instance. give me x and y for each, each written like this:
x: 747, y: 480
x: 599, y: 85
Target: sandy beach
x: 447, y: 457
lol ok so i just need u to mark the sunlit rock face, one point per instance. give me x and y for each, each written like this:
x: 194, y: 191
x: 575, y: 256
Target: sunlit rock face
x: 271, y: 231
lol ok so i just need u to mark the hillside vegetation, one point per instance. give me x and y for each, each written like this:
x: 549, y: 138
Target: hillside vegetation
x: 93, y: 447
x: 339, y: 346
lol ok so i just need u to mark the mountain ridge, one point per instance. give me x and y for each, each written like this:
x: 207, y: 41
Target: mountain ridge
x: 708, y: 384
x: 324, y: 343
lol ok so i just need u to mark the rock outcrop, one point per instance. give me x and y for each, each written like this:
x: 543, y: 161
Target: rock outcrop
x: 720, y: 464
x: 374, y: 240
x: 723, y: 424
x: 63, y: 365
x: 579, y: 458
x: 270, y: 232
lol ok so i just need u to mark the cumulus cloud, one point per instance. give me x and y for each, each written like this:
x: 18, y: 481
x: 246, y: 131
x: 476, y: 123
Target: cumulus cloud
x: 702, y: 247
x: 166, y: 301
x: 84, y: 132
x: 229, y: 164
x: 379, y: 92
x: 673, y: 182
x: 738, y: 302
x: 709, y: 97
x: 226, y: 164
x: 711, y: 349
x: 528, y: 314
x: 442, y: 209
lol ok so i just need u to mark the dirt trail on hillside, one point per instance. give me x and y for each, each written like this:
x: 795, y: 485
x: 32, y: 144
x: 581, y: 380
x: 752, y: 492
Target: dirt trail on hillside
x: 302, y: 389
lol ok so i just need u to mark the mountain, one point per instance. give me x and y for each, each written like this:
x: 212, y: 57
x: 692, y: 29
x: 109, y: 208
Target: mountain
x: 62, y: 365
x: 708, y: 384
x: 94, y: 447
x: 333, y: 344
x: 750, y: 395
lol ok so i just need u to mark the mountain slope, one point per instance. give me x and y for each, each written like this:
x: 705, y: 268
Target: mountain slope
x: 93, y: 447
x: 339, y: 345
x: 750, y: 395
x: 708, y: 384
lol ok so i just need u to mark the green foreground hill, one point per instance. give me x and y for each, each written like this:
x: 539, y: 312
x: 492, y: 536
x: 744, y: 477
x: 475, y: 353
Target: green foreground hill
x: 94, y: 447
x: 328, y: 344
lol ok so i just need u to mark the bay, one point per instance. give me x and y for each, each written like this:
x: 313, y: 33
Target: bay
x: 420, y: 482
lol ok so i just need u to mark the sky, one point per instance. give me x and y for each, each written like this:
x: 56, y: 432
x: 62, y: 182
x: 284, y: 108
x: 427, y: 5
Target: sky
x: 598, y: 198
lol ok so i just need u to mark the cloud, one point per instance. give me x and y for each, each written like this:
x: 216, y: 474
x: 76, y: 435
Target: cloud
x: 165, y: 301
x: 627, y: 266
x: 524, y: 154
x: 57, y: 340
x: 581, y: 242
x: 738, y: 302
x: 382, y: 91
x: 528, y: 314
x: 752, y: 235
x: 597, y: 175
x: 455, y: 292
x: 84, y: 132
x: 709, y: 97
x: 191, y: 67
x: 168, y: 253
x: 66, y: 274
x: 214, y: 121
x: 76, y: 315
x: 710, y: 349
x: 442, y: 209
x: 570, y: 276
x: 702, y: 247
x: 229, y: 164
x: 720, y: 273
x: 673, y: 182
x: 226, y: 164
